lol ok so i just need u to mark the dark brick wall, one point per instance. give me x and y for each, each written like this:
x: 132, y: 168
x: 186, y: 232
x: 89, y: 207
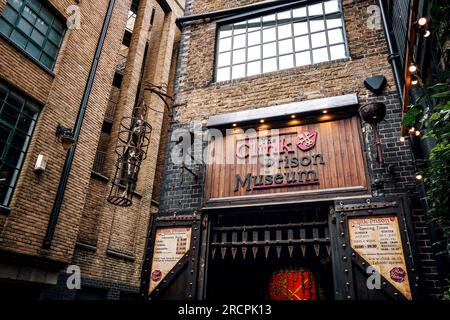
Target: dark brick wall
x: 105, y: 290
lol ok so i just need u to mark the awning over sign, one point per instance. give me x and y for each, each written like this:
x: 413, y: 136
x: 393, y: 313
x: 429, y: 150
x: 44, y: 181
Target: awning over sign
x: 301, y: 107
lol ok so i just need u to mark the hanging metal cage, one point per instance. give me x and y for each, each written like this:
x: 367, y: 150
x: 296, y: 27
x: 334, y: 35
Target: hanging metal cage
x: 131, y: 149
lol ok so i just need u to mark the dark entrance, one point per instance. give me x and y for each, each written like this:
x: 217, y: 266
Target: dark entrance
x: 271, y: 253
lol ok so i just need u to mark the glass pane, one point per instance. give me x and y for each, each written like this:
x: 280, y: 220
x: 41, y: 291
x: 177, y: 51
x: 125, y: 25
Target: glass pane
x: 303, y: 58
x: 316, y: 25
x: 9, y: 114
x: 5, y: 27
x: 254, y: 53
x: 239, y: 41
x: 223, y: 74
x: 318, y: 39
x: 284, y: 17
x: 25, y: 27
x: 3, y: 93
x: 285, y: 31
x: 239, y: 56
x: 301, y: 43
x: 286, y: 62
x: 334, y: 23
x: 41, y: 26
x: 19, y: 140
x: 269, y: 50
x: 253, y: 68
x: 12, y: 156
x: 34, y: 4
x: 224, y: 44
x: 15, y: 100
x: 225, y: 31
x: 285, y: 46
x: 18, y: 38
x: 331, y: 6
x: 58, y: 26
x: 300, y: 28
x: 29, y: 14
x: 24, y: 123
x: 10, y: 15
x: 335, y: 36
x: 269, y: 35
x: 31, y: 110
x: 254, y: 24
x: 240, y: 28
x: 320, y: 55
x: 338, y: 52
x: 224, y: 59
x: 300, y: 12
x: 315, y: 9
x: 33, y: 50
x: 16, y: 4
x: 37, y: 37
x: 269, y: 21
x: 55, y: 37
x: 46, y: 15
x: 47, y: 61
x: 254, y: 38
x: 50, y: 49
x: 270, y: 65
x: 238, y: 71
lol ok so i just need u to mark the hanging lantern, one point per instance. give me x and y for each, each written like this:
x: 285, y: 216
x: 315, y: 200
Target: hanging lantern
x: 297, y: 284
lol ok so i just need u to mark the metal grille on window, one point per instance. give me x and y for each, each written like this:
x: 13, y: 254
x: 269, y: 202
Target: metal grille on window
x: 292, y: 38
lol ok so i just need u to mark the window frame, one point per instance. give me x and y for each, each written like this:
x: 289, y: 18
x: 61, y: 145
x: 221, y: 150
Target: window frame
x: 245, y: 17
x: 56, y: 17
x: 31, y: 105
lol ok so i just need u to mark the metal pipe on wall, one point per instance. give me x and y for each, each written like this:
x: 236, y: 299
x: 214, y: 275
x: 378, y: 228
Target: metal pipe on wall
x: 76, y: 132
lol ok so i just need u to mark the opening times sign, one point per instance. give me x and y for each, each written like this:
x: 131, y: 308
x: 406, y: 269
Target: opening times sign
x: 171, y: 244
x: 378, y: 241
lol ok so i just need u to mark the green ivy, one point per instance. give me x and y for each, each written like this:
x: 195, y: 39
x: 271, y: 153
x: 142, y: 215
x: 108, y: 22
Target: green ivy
x: 435, y: 122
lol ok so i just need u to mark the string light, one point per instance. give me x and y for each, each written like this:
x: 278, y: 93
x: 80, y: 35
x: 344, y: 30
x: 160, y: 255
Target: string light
x: 427, y: 34
x: 413, y: 68
x: 422, y: 21
x: 402, y: 139
x: 419, y: 176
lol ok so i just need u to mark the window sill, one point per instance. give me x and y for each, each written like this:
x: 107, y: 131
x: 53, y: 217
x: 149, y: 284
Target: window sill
x: 99, y: 176
x: 5, y: 210
x: 37, y: 62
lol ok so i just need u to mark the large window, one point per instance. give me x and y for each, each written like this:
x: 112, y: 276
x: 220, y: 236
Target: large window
x: 32, y: 27
x: 17, y: 120
x: 300, y: 36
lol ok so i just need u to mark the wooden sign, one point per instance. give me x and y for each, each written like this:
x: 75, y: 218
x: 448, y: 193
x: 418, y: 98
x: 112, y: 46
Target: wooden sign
x: 378, y: 241
x: 171, y: 244
x: 309, y: 158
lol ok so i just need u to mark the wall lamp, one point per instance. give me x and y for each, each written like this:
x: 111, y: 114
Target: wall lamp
x: 66, y: 136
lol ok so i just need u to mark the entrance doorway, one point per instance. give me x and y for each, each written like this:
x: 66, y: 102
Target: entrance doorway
x: 270, y: 253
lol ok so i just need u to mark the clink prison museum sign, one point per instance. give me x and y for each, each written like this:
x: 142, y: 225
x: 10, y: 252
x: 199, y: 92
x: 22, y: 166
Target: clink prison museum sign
x: 280, y: 154
x: 310, y: 158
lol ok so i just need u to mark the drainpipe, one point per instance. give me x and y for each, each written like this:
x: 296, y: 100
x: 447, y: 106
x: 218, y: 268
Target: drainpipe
x: 76, y: 132
x: 394, y: 57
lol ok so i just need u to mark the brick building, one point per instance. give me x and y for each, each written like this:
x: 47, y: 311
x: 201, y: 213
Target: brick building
x: 70, y: 72
x: 336, y: 191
